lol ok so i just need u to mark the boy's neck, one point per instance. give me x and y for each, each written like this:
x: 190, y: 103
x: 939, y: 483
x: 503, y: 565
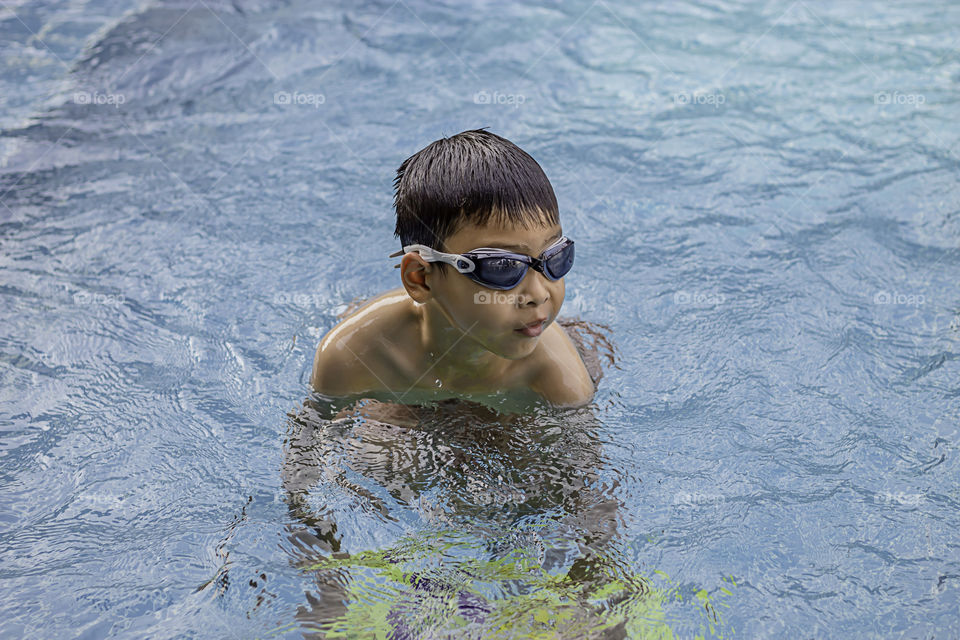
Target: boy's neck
x: 451, y: 356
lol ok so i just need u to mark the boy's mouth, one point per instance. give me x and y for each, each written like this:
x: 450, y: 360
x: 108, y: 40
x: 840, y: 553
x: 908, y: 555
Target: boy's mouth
x: 533, y: 329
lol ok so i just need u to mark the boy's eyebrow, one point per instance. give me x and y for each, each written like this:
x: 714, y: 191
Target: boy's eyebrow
x: 523, y: 247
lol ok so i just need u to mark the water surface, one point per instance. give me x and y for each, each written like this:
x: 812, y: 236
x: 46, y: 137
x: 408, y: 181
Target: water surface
x: 764, y: 201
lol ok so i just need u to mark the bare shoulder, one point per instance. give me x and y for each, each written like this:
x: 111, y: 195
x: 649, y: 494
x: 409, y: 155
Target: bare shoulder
x: 560, y: 375
x: 354, y: 356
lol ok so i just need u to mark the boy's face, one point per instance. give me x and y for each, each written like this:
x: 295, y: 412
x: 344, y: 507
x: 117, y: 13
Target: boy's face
x: 494, y: 315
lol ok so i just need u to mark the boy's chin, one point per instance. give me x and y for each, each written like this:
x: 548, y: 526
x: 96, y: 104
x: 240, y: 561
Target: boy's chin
x: 516, y: 347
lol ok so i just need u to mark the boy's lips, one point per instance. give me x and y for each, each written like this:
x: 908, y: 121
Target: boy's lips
x: 533, y: 329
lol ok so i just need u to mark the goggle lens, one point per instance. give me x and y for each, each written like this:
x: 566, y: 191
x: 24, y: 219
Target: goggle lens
x: 560, y: 264
x: 506, y: 273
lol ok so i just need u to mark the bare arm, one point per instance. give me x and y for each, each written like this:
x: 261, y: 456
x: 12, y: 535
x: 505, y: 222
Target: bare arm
x: 563, y: 391
x: 561, y: 377
x: 340, y: 371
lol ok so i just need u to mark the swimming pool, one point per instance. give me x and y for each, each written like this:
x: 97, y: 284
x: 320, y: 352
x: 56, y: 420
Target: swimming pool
x: 764, y: 201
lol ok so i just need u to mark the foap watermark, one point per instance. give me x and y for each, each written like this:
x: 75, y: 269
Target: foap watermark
x: 100, y: 499
x: 699, y: 298
x: 106, y: 299
x: 509, y: 99
x: 484, y: 493
x: 909, y: 299
x: 699, y: 97
x: 97, y: 98
x: 895, y: 97
x: 299, y: 299
x: 297, y: 98
x: 900, y: 498
x: 497, y: 297
x: 696, y: 499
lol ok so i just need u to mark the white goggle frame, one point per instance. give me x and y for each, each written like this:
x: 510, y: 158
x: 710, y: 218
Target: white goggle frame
x: 461, y: 263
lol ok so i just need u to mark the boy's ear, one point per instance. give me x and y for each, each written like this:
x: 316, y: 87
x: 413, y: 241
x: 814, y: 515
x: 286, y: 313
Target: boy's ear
x: 414, y: 272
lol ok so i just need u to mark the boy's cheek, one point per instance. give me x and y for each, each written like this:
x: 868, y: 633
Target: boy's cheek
x: 479, y: 310
x: 498, y: 311
x: 490, y: 318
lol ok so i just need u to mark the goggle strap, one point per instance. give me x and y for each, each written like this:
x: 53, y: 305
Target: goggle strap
x: 432, y: 255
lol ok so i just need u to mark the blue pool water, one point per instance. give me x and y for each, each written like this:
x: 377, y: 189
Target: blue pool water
x: 764, y: 198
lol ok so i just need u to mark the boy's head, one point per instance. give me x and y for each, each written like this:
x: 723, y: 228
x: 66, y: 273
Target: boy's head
x: 473, y: 190
x: 474, y: 178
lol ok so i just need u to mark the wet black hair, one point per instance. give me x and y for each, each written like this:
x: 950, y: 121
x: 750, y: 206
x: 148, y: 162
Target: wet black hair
x: 475, y: 177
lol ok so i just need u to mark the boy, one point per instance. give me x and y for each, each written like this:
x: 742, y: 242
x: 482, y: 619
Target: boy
x: 482, y: 273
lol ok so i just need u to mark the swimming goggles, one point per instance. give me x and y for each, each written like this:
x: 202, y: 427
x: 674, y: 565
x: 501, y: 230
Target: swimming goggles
x: 500, y: 269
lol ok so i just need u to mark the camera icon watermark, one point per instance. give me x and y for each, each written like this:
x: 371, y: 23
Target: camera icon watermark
x: 285, y: 98
x: 886, y: 297
x: 97, y: 98
x: 485, y: 97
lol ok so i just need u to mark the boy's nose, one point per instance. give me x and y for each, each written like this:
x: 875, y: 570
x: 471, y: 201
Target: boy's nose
x: 533, y: 289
